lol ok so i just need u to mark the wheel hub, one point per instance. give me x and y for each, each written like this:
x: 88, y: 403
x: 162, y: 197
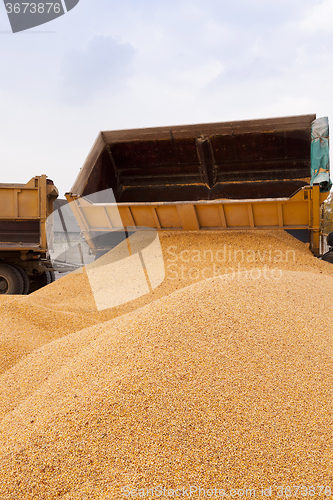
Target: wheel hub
x: 3, y: 286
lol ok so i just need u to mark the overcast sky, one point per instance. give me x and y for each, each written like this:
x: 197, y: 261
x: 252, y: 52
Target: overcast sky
x: 111, y: 65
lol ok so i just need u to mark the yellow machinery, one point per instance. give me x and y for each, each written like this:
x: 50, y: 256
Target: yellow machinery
x: 258, y: 174
x: 24, y: 209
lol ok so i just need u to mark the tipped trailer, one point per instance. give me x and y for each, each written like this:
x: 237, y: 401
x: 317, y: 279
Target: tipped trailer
x: 257, y: 174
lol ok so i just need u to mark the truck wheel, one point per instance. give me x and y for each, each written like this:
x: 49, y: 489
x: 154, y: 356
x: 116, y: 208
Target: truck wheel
x: 26, y: 282
x: 328, y: 256
x: 40, y: 281
x: 11, y: 281
x: 330, y: 239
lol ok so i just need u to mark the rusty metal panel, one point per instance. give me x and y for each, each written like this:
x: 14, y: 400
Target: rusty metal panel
x: 19, y: 231
x: 236, y: 160
x: 23, y: 212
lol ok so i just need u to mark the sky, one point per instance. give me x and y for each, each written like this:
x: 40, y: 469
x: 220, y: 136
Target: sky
x: 108, y: 65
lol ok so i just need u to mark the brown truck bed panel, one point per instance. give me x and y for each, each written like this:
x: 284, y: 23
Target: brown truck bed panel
x: 246, y: 159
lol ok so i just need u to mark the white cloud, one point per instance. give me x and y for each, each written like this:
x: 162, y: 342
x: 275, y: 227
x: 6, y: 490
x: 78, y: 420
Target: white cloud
x: 318, y: 18
x: 104, y: 63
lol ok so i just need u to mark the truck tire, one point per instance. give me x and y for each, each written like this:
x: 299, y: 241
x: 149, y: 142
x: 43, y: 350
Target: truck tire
x: 328, y: 256
x: 25, y: 278
x: 11, y: 281
x: 41, y: 280
x: 330, y: 239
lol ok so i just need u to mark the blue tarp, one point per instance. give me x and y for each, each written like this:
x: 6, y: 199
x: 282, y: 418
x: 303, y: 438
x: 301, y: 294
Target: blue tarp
x: 320, y: 163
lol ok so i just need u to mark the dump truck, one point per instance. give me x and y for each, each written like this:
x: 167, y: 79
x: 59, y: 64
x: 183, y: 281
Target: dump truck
x: 24, y: 208
x: 256, y: 174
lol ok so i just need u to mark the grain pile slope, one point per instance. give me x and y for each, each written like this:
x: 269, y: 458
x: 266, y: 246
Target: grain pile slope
x: 225, y: 383
x: 68, y: 305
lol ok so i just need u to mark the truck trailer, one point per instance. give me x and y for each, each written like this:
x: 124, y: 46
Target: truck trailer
x: 24, y: 262
x: 258, y: 174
